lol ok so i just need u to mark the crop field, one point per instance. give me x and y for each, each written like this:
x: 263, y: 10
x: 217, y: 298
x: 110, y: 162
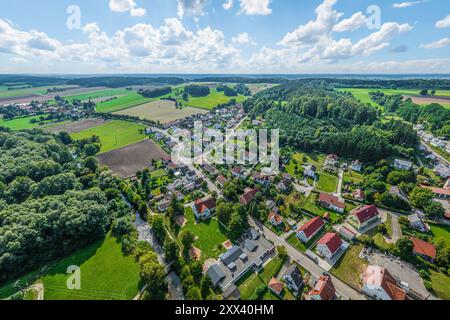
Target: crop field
x: 114, y: 134
x: 121, y: 103
x: 258, y: 87
x: 5, y: 93
x: 74, y: 127
x: 440, y: 97
x: 106, y: 274
x: 23, y: 123
x: 98, y: 94
x: 211, y: 101
x: 161, y: 110
x: 126, y: 161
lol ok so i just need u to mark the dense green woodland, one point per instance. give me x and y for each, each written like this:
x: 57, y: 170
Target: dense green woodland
x: 53, y: 199
x: 313, y: 117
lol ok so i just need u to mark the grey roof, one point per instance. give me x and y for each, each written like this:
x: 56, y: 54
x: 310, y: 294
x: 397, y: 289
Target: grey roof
x: 250, y: 245
x: 216, y: 274
x: 295, y: 274
x: 255, y: 234
x: 231, y: 255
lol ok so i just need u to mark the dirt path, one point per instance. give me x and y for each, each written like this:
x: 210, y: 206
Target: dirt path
x: 39, y: 288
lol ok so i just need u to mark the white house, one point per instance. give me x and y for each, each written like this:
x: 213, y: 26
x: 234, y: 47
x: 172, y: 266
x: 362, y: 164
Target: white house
x: 329, y: 245
x: 442, y: 170
x: 310, y: 171
x: 204, y: 209
x: 402, y: 164
x: 306, y: 232
x: 356, y: 166
x: 416, y: 222
x: 275, y: 219
x: 379, y: 284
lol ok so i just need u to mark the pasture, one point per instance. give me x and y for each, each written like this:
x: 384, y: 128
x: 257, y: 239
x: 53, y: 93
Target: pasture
x: 114, y: 134
x: 126, y: 161
x: 210, y: 101
x: 104, y: 93
x: 5, y: 93
x: 106, y: 274
x: 121, y: 103
x: 73, y: 127
x: 160, y: 110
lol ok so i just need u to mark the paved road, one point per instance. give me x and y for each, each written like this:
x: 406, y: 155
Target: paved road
x: 339, y: 187
x: 396, y: 229
x: 343, y: 289
x: 435, y: 153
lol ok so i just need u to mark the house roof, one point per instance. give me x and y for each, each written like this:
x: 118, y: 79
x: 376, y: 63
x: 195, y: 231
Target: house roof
x: 324, y: 288
x: 379, y: 276
x: 332, y: 241
x: 332, y: 156
x: 311, y: 226
x: 424, y: 248
x: 237, y: 170
x: 222, y: 180
x: 276, y: 286
x: 231, y: 255
x: 248, y: 196
x: 330, y: 199
x: 278, y: 219
x: 365, y: 213
x: 359, y: 193
x: 250, y: 245
x: 202, y: 205
x: 439, y: 191
x: 216, y: 274
x: 293, y: 272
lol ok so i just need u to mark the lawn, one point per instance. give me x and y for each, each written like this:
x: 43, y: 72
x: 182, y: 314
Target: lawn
x: 440, y: 284
x: 210, y: 235
x: 271, y: 269
x: 350, y: 267
x: 106, y: 274
x: 327, y: 182
x: 21, y: 123
x: 441, y: 232
x: 248, y: 286
x: 211, y: 101
x: 300, y: 246
x: 121, y: 103
x: 353, y: 177
x: 114, y: 134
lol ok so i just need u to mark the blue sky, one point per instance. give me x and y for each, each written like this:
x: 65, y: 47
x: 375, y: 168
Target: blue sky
x: 225, y: 36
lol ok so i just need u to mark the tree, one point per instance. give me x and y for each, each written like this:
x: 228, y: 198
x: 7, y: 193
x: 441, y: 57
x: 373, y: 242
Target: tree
x: 91, y: 149
x: 224, y: 212
x: 421, y: 197
x: 91, y: 163
x: 170, y: 249
x: 65, y: 137
x: 424, y: 92
x: 206, y: 286
x: 158, y: 227
x: 434, y: 210
x: 19, y: 189
x: 154, y: 276
x: 404, y: 247
x: 282, y: 252
x: 193, y: 293
x: 187, y: 239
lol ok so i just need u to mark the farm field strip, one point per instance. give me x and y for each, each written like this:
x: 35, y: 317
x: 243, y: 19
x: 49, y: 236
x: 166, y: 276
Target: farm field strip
x: 102, y: 93
x: 122, y: 103
x: 30, y: 91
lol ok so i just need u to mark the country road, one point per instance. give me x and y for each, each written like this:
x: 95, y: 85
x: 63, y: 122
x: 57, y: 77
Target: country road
x: 343, y: 289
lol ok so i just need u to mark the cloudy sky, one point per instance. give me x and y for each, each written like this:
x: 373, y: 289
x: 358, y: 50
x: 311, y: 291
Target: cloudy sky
x: 224, y: 36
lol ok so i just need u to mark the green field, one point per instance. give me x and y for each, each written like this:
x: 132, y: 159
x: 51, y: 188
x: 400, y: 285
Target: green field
x: 353, y: 177
x: 121, y: 103
x: 210, y: 235
x: 350, y: 267
x: 211, y: 101
x: 105, y: 274
x: 22, y: 123
x: 27, y: 91
x: 114, y: 134
x: 440, y: 284
x: 441, y: 232
x: 98, y: 94
x: 327, y: 182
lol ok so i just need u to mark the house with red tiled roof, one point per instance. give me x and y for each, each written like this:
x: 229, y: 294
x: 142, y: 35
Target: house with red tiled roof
x: 221, y: 181
x: 204, y: 209
x: 379, y: 284
x: 329, y: 245
x: 275, y: 219
x: 363, y: 216
x: 307, y: 231
x: 248, y: 196
x: 323, y: 289
x: 276, y: 286
x: 442, y: 193
x: 423, y: 249
x: 359, y: 195
x: 331, y: 202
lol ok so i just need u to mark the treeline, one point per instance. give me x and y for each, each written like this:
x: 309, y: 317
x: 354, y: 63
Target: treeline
x: 276, y: 80
x: 34, y: 81
x: 197, y: 91
x: 233, y: 92
x: 50, y: 203
x: 155, y: 93
x: 116, y: 82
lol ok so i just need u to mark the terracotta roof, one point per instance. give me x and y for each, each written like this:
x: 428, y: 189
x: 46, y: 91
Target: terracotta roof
x: 332, y: 241
x: 273, y: 215
x: 248, y: 196
x: 423, y: 248
x: 379, y: 276
x: 311, y: 226
x: 324, y: 288
x: 276, y: 286
x: 202, y: 205
x: 365, y: 213
x: 237, y: 170
x: 330, y: 199
x: 222, y: 180
x: 439, y: 191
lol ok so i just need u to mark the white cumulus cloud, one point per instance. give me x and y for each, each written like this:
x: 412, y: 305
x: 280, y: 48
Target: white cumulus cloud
x: 127, y: 6
x: 243, y: 38
x: 191, y: 7
x: 255, y: 7
x: 406, y: 4
x: 444, y: 23
x: 442, y: 43
x: 228, y: 4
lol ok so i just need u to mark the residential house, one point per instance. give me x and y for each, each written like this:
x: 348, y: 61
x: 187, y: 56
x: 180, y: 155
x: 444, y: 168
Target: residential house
x: 323, y: 289
x: 441, y: 193
x: 210, y: 169
x: 248, y: 196
x: 283, y: 185
x: 310, y: 171
x: 261, y: 179
x: 379, y: 284
x: 356, y: 166
x: 238, y: 172
x: 307, y: 231
x: 276, y: 286
x: 204, y: 209
x: 400, y: 164
x: 221, y: 181
x: 331, y: 202
x: 331, y: 163
x: 177, y: 194
x: 437, y: 143
x: 293, y: 279
x: 270, y: 204
x: 347, y: 233
x: 363, y: 216
x: 329, y: 245
x: 394, y: 190
x: 424, y: 249
x: 275, y: 219
x: 442, y: 171
x: 216, y: 274
x: 416, y: 222
x: 359, y: 195
x: 164, y: 205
